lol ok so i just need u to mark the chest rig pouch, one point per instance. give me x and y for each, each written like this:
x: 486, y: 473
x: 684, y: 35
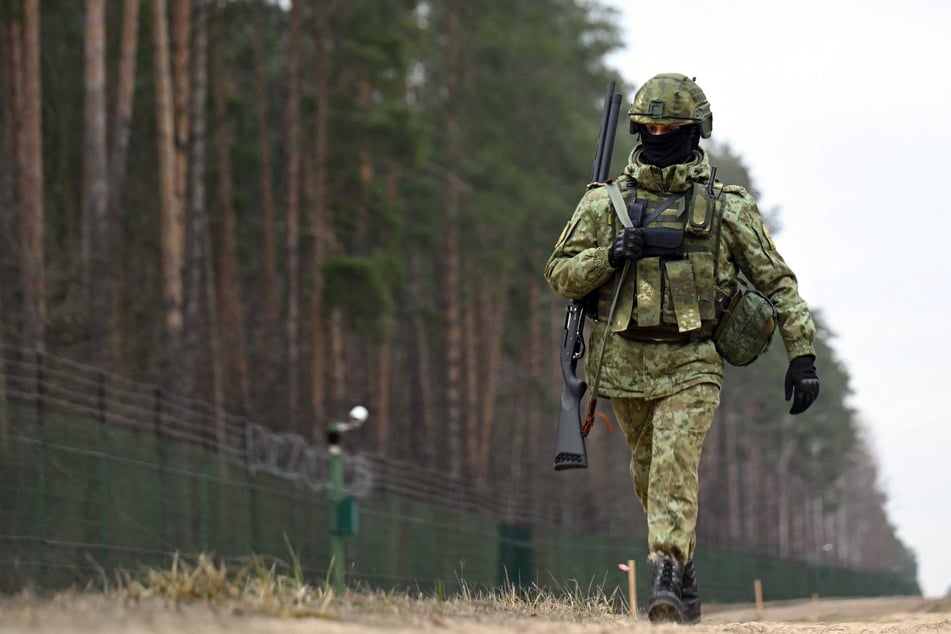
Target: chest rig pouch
x: 671, y: 296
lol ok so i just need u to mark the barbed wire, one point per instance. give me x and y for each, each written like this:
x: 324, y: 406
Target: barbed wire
x: 291, y: 456
x: 100, y: 397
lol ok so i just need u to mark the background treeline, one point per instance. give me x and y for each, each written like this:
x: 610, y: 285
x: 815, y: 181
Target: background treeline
x: 286, y: 209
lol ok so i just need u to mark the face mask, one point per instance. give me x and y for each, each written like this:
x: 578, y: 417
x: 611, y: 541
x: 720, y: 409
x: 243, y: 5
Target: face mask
x: 669, y: 149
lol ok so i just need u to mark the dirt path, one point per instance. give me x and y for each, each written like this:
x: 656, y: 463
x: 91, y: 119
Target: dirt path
x: 103, y: 615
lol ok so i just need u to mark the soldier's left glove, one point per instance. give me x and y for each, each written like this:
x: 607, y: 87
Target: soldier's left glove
x: 628, y: 245
x: 801, y: 379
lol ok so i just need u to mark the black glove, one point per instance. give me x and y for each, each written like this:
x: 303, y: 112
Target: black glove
x: 628, y: 245
x: 801, y: 377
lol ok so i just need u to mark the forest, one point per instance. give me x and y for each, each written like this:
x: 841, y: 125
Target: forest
x: 289, y: 208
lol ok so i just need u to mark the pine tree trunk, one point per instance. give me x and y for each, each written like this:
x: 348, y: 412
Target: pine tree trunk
x: 125, y: 96
x: 203, y: 332
x: 385, y: 348
x: 321, y: 327
x: 4, y: 411
x: 172, y: 232
x: 118, y: 152
x: 8, y: 169
x: 197, y: 364
x: 30, y: 170
x: 229, y: 285
x: 783, y: 495
x: 532, y: 378
x: 816, y: 528
x: 451, y: 260
x: 798, y: 505
x: 95, y: 191
x: 181, y: 62
x: 473, y: 357
x: 10, y: 60
x: 731, y: 440
x: 361, y: 240
x: 292, y: 220
x: 356, y: 372
x: 268, y: 285
x: 493, y: 337
x: 426, y: 441
x: 181, y: 103
x: 752, y: 538
x: 842, y: 534
x: 199, y: 206
x: 214, y: 332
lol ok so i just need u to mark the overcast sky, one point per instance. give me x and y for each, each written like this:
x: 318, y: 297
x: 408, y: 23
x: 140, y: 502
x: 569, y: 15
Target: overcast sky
x: 841, y: 111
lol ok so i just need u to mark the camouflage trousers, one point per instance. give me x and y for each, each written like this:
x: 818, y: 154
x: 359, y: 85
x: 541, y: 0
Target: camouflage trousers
x: 666, y: 437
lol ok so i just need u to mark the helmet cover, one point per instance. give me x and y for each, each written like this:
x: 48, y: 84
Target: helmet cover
x: 671, y: 99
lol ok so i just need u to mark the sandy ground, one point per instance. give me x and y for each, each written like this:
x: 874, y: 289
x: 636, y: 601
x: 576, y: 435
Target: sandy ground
x: 95, y: 613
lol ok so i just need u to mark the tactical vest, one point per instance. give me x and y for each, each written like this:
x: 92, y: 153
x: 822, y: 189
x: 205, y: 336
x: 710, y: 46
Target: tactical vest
x: 669, y: 294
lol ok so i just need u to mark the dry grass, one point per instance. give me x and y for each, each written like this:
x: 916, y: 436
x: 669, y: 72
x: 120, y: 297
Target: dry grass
x: 201, y: 594
x: 256, y: 587
x: 259, y: 587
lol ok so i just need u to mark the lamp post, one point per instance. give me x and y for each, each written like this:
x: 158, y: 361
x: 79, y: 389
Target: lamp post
x: 342, y: 511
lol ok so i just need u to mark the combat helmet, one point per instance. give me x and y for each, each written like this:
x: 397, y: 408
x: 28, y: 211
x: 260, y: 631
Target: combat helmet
x: 671, y: 99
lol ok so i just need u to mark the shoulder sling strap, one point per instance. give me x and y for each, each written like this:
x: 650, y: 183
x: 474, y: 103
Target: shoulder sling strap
x: 617, y: 201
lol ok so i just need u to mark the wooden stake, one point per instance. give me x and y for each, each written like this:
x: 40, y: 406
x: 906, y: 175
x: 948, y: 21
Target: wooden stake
x: 631, y: 587
x: 758, y: 592
x: 815, y: 606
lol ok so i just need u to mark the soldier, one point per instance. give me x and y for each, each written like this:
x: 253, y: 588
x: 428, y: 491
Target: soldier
x: 661, y: 248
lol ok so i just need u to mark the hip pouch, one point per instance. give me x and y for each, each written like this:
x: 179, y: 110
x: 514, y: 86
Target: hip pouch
x: 746, y: 326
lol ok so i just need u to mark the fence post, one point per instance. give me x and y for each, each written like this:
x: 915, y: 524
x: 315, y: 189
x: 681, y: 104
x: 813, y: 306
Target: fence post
x: 337, y: 564
x: 103, y: 448
x: 159, y: 468
x: 758, y: 596
x: 343, y: 512
x: 40, y: 475
x: 249, y: 479
x: 206, y: 504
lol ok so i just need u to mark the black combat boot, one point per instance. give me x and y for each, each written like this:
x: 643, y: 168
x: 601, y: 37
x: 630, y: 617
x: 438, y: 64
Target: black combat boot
x: 691, y: 594
x: 665, y: 603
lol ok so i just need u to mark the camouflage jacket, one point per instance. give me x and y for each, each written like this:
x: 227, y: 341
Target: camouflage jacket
x: 646, y: 369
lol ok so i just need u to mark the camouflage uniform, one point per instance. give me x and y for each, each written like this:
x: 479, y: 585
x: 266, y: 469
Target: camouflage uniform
x: 664, y: 393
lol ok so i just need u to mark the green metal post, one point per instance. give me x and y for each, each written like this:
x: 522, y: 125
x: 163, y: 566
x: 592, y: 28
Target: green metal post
x: 336, y: 495
x: 339, y: 528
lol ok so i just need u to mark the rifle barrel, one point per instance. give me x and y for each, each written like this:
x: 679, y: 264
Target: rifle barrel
x: 614, y: 110
x: 598, y: 167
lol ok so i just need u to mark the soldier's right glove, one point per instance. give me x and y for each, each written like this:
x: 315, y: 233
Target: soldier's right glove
x: 628, y: 245
x: 801, y: 378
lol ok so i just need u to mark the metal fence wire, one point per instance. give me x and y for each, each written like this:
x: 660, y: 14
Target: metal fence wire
x: 101, y: 476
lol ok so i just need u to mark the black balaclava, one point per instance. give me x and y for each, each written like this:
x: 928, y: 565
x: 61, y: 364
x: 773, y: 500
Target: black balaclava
x: 664, y: 150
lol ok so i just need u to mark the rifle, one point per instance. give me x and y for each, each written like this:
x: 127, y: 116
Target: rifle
x: 570, y: 451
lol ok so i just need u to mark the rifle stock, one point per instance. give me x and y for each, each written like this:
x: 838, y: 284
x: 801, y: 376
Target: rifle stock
x: 570, y: 450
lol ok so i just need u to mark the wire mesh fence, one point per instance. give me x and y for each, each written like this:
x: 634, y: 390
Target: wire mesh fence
x: 100, y: 476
